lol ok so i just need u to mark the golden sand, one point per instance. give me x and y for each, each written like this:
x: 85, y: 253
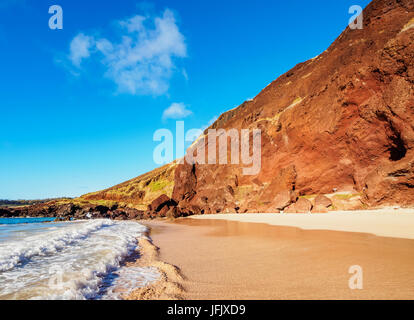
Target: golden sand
x: 223, y: 259
x: 168, y: 287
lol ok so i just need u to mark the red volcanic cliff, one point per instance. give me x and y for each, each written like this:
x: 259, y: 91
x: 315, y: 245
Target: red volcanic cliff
x: 340, y: 124
x: 343, y: 121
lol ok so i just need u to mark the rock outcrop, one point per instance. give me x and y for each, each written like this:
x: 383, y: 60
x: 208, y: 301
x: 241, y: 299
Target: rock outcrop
x: 340, y: 122
x: 161, y: 206
x: 69, y: 211
x: 303, y: 206
x: 282, y: 200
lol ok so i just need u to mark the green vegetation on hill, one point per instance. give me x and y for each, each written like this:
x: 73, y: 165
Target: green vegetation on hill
x: 137, y: 192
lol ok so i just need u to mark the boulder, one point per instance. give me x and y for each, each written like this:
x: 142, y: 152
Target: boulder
x: 195, y: 210
x: 173, y: 213
x: 113, y: 207
x: 146, y: 215
x: 290, y: 209
x: 5, y: 213
x: 251, y: 207
x: 66, y: 210
x: 270, y: 210
x: 134, y: 213
x: 158, y: 203
x: 102, y: 209
x: 303, y: 205
x: 15, y: 213
x: 163, y: 211
x: 122, y: 216
x: 231, y: 207
x: 84, y: 212
x: 323, y: 201
x: 282, y: 200
x: 62, y: 219
x: 243, y: 209
x: 319, y: 209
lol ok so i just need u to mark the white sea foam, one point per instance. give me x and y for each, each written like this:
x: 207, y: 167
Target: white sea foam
x: 20, y: 251
x: 75, y: 260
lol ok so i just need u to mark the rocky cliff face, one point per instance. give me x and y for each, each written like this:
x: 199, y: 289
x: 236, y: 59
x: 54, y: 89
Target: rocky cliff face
x: 342, y: 122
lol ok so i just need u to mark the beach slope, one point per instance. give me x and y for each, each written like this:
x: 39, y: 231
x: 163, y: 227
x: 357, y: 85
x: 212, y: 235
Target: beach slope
x: 290, y: 257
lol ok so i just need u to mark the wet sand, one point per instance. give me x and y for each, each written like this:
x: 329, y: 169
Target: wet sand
x: 223, y: 259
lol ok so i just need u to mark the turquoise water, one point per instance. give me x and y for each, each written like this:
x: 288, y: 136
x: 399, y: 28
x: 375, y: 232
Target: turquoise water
x: 24, y: 220
x: 20, y: 228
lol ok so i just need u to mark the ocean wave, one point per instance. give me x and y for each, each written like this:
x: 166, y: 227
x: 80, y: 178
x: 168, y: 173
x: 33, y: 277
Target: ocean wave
x: 79, y: 260
x: 15, y: 253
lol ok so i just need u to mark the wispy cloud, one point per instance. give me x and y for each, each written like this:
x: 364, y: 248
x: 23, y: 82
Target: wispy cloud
x: 80, y: 48
x: 176, y: 111
x: 143, y: 60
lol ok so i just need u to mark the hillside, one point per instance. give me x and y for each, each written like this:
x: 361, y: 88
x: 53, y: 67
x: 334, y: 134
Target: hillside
x: 340, y: 124
x: 138, y: 192
x: 22, y: 203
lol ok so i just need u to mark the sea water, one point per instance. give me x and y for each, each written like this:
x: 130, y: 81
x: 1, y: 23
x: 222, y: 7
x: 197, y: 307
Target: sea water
x: 41, y: 259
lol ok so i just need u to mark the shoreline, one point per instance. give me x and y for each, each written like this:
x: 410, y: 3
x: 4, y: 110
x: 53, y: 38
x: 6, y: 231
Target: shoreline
x: 385, y: 222
x: 218, y: 257
x: 168, y: 287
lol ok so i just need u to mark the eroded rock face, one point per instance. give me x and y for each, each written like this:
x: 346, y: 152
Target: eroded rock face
x: 342, y: 121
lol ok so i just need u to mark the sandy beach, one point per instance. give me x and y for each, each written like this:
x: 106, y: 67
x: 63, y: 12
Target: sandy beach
x: 387, y: 222
x: 276, y: 256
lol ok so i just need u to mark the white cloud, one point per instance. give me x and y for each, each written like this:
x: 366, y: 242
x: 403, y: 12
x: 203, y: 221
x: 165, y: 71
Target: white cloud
x: 80, y: 49
x: 142, y: 61
x: 176, y: 111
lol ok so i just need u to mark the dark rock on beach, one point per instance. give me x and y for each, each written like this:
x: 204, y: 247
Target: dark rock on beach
x: 71, y: 211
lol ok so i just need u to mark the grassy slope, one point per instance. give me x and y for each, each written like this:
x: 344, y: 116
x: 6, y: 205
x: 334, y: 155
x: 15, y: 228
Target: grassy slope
x: 137, y: 192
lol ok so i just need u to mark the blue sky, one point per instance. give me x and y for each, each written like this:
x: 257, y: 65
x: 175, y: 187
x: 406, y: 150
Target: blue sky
x: 79, y: 106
